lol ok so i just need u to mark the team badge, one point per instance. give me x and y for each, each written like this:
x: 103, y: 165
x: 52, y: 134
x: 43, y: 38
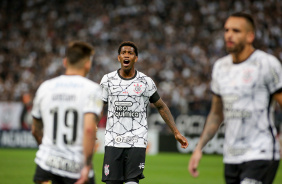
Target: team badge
x: 106, y: 169
x: 137, y: 88
x: 247, y: 75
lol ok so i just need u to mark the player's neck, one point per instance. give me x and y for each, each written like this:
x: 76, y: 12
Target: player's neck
x: 243, y: 55
x: 71, y: 71
x: 127, y: 74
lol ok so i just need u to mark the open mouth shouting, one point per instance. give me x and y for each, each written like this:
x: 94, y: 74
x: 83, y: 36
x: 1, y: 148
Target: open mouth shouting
x: 126, y: 62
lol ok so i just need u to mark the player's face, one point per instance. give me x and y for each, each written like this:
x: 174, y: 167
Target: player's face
x: 236, y: 34
x: 127, y: 57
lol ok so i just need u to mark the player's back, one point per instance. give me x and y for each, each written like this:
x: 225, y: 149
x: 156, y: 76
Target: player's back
x: 61, y: 103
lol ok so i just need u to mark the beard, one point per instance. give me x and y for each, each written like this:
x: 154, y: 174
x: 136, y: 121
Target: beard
x: 236, y: 48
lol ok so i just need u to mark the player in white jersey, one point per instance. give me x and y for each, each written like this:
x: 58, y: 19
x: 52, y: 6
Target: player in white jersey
x: 66, y: 112
x: 245, y: 84
x: 128, y: 93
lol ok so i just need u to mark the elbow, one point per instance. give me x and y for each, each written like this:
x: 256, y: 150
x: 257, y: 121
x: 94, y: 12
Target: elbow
x: 33, y: 131
x: 90, y: 132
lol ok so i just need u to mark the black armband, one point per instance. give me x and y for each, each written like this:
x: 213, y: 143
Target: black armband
x: 155, y: 97
x: 278, y: 91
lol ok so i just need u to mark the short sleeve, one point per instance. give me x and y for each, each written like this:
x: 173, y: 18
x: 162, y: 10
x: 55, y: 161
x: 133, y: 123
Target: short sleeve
x: 273, y: 77
x: 36, y: 112
x: 152, y: 88
x: 94, y: 102
x: 214, y: 82
x: 104, y: 87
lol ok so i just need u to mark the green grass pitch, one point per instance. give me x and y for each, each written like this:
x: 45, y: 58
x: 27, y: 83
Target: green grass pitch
x: 17, y: 166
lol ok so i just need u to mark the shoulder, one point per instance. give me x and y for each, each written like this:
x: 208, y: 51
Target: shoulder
x: 148, y: 81
x: 223, y: 61
x: 266, y: 61
x: 266, y: 58
x: 89, y: 83
x: 46, y: 86
x: 48, y: 83
x: 141, y: 75
x: 110, y: 76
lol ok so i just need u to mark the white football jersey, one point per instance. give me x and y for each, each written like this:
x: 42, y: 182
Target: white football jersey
x: 61, y: 103
x: 128, y: 100
x: 246, y: 90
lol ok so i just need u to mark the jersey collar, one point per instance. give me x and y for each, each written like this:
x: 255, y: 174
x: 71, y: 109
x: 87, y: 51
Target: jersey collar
x: 126, y: 78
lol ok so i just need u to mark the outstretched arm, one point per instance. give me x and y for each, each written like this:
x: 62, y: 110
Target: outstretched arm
x: 89, y: 138
x: 37, y: 130
x: 167, y: 117
x: 213, y: 122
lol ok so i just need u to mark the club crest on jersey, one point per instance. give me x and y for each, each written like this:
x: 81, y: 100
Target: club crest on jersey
x: 247, y: 75
x: 106, y: 169
x: 137, y: 88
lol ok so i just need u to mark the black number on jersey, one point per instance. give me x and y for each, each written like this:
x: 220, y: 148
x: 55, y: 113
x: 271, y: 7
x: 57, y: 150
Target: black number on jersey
x: 68, y: 123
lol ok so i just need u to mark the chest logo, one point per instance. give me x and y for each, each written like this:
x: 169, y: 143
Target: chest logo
x: 137, y: 88
x: 248, y: 75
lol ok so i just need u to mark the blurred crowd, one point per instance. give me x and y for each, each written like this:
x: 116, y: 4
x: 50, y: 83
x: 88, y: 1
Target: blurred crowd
x: 178, y: 41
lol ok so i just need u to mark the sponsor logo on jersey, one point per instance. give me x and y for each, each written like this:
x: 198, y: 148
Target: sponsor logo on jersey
x: 237, y: 114
x: 106, y: 169
x: 237, y: 151
x: 63, y: 164
x: 137, y: 88
x: 125, y: 91
x: 68, y: 85
x: 63, y: 97
x: 121, y: 110
x: 126, y: 139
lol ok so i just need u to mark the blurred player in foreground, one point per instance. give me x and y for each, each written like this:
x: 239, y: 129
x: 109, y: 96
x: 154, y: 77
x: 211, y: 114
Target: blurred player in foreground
x: 245, y: 85
x: 66, y: 112
x: 128, y: 93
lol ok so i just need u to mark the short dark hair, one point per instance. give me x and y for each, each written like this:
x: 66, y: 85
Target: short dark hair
x: 128, y: 43
x: 246, y: 16
x: 78, y: 50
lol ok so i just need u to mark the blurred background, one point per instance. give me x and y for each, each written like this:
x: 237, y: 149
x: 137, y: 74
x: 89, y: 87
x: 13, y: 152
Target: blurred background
x: 178, y: 41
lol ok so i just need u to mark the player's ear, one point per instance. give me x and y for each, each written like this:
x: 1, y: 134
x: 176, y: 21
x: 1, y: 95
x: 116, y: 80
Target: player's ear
x: 136, y: 59
x: 88, y: 65
x: 250, y: 37
x: 65, y: 63
x: 119, y: 58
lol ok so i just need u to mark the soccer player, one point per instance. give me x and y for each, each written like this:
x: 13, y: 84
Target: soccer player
x: 245, y: 85
x: 65, y: 113
x: 128, y: 93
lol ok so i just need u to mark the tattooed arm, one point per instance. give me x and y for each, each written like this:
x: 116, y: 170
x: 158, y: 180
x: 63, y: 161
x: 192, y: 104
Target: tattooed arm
x: 167, y: 117
x: 37, y: 130
x: 213, y: 122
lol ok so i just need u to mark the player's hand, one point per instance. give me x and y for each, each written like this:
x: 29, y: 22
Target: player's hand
x: 194, y: 162
x: 84, y: 176
x: 182, y: 140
